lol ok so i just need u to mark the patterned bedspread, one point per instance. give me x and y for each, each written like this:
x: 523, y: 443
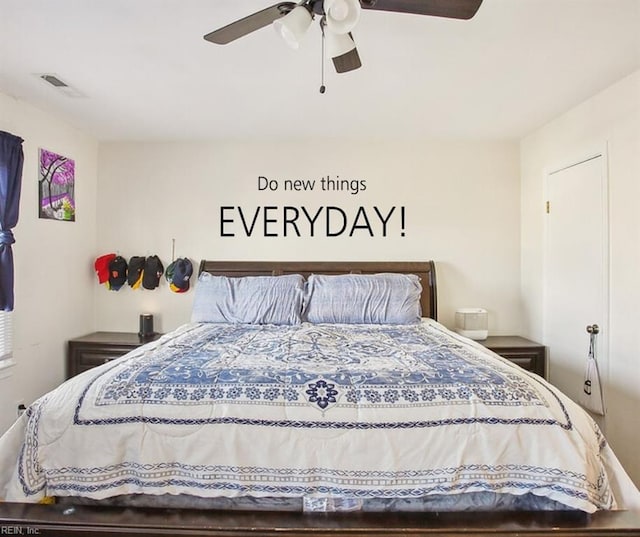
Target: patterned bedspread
x: 357, y: 411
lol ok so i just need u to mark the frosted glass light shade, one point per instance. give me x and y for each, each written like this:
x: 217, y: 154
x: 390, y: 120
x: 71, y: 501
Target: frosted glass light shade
x: 342, y: 15
x: 293, y: 26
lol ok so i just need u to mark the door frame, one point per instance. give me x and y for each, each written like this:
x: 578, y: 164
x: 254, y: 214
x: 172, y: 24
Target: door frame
x: 597, y: 151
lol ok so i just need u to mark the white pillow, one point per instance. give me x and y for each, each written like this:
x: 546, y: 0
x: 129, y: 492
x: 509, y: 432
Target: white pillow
x: 363, y: 299
x: 248, y: 299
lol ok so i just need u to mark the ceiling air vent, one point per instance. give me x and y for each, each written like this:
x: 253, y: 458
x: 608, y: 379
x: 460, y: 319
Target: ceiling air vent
x: 60, y: 85
x: 54, y: 81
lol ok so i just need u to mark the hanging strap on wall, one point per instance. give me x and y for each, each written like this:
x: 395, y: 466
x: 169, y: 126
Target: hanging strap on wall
x: 591, y: 397
x: 593, y: 330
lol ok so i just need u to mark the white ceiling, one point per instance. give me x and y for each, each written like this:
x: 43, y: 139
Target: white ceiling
x: 146, y: 73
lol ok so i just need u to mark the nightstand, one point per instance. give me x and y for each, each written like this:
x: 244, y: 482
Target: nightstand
x: 524, y: 352
x: 97, y: 348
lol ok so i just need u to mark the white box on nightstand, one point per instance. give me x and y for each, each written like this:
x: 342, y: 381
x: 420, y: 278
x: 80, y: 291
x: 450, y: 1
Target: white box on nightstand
x: 472, y: 323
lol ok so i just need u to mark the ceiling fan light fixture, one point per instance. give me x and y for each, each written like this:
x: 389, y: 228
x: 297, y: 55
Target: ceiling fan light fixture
x: 342, y: 15
x: 339, y: 44
x: 293, y: 26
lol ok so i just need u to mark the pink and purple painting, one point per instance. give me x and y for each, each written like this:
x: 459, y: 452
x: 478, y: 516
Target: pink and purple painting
x: 57, y: 183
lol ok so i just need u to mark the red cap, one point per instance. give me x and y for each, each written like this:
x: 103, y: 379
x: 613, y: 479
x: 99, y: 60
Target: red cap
x: 101, y: 266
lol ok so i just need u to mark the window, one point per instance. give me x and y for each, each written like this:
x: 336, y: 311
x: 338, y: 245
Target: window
x: 6, y: 341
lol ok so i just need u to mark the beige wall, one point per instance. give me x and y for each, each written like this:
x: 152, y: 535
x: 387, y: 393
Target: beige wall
x: 461, y: 209
x: 54, y: 291
x: 610, y: 119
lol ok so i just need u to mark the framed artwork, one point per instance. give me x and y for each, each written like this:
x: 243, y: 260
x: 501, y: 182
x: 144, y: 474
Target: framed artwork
x: 56, y: 180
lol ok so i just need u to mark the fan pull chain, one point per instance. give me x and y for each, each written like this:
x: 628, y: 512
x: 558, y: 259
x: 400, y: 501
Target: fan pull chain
x: 322, y: 86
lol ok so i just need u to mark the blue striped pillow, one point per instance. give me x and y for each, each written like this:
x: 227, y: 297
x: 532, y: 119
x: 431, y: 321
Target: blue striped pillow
x: 249, y: 299
x: 384, y: 298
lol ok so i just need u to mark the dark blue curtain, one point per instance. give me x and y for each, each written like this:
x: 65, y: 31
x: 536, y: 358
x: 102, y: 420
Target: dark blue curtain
x: 11, y: 160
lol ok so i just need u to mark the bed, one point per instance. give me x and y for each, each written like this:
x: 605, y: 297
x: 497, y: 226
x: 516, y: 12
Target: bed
x: 312, y: 398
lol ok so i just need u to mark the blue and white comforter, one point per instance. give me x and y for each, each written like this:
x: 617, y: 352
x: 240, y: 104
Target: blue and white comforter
x: 313, y: 410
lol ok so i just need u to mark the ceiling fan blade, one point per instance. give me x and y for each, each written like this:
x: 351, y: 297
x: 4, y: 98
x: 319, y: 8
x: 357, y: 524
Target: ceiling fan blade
x: 249, y: 24
x: 453, y: 9
x: 349, y: 61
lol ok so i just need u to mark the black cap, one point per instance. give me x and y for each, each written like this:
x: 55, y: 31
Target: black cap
x: 117, y: 272
x: 134, y: 274
x: 153, y: 270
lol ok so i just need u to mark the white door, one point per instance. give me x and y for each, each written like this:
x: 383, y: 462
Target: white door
x: 576, y: 272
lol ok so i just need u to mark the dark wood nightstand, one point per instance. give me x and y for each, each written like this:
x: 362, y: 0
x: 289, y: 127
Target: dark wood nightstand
x: 524, y: 352
x: 97, y: 348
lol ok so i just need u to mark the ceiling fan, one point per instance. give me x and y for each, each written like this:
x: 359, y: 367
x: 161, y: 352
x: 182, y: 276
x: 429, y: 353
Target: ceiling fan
x: 338, y: 18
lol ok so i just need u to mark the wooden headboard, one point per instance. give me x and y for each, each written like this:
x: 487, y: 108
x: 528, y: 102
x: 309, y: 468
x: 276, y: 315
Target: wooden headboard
x: 425, y: 270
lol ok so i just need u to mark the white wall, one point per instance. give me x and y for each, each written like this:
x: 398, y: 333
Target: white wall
x: 610, y: 118
x: 54, y: 288
x: 461, y: 202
